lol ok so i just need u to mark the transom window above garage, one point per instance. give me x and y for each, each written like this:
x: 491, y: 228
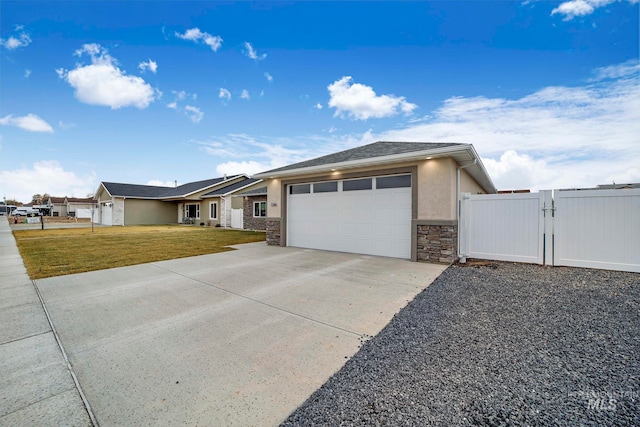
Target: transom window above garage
x: 325, y: 187
x: 395, y: 181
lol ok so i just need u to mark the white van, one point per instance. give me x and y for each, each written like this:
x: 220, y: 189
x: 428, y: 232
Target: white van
x: 25, y: 212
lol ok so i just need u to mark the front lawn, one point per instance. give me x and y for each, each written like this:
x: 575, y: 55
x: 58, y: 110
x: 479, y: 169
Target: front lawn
x: 55, y: 252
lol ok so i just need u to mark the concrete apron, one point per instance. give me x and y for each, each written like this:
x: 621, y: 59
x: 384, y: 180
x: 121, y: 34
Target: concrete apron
x: 238, y: 338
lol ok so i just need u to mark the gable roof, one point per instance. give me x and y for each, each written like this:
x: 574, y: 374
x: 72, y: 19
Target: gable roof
x: 389, y: 152
x: 260, y: 191
x: 57, y: 199
x: 377, y: 149
x: 221, y: 191
x: 116, y: 189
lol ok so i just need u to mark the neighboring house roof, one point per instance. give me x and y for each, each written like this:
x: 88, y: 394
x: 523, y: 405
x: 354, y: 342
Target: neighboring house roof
x: 116, y: 189
x: 260, y: 191
x: 388, y: 152
x: 57, y: 199
x: 607, y: 187
x: 81, y: 200
x: 228, y: 189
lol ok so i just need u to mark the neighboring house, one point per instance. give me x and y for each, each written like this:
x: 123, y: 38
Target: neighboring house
x: 254, y: 208
x: 58, y: 206
x: 132, y: 204
x: 221, y: 203
x: 81, y: 207
x: 396, y: 199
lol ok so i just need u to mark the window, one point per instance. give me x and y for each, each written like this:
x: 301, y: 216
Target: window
x: 325, y: 187
x: 192, y: 210
x: 213, y: 210
x: 396, y: 181
x: 357, y: 184
x: 300, y: 189
x: 260, y: 209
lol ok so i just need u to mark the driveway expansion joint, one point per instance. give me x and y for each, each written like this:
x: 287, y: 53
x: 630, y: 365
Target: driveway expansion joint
x: 87, y: 407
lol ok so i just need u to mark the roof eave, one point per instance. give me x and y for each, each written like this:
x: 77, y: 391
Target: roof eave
x: 466, y: 155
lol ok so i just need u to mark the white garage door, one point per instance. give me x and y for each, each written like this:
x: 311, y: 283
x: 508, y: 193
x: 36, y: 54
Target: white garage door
x: 365, y: 216
x: 105, y: 214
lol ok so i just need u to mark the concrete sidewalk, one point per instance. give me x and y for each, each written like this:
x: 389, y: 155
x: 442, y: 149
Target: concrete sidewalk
x: 36, y: 386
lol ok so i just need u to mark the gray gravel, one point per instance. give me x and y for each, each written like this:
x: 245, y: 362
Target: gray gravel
x: 497, y: 344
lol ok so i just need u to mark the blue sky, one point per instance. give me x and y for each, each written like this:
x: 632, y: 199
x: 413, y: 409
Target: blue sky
x: 149, y: 92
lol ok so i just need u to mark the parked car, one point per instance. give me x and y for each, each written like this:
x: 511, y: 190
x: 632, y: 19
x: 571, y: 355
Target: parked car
x: 25, y: 212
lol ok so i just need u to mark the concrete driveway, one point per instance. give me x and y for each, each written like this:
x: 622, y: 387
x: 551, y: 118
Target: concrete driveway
x: 237, y: 338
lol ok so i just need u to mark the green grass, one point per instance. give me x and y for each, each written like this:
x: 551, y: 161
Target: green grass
x: 55, y: 252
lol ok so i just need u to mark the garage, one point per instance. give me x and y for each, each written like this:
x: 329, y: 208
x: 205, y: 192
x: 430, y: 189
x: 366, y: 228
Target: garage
x: 370, y: 215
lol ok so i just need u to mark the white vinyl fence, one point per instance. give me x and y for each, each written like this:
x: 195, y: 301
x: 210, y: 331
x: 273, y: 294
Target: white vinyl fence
x: 582, y: 228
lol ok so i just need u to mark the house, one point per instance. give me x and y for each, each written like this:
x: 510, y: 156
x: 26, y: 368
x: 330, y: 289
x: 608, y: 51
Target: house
x: 395, y: 199
x: 81, y: 207
x: 58, y: 206
x: 254, y: 208
x: 220, y: 202
x: 192, y: 203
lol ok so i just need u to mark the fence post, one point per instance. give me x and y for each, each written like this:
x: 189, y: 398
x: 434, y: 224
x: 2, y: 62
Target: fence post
x: 463, y: 227
x: 548, y: 210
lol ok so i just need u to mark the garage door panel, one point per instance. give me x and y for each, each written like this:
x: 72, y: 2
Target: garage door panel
x: 375, y: 222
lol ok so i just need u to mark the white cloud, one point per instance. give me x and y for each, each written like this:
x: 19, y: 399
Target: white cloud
x: 30, y: 122
x: 244, y: 94
x: 66, y: 126
x: 194, y: 113
x: 149, y: 65
x: 47, y: 176
x: 21, y: 39
x: 173, y: 105
x: 251, y: 52
x: 197, y: 36
x: 249, y: 155
x: 318, y: 106
x: 554, y: 138
x: 224, y: 94
x: 269, y: 77
x: 573, y: 8
x: 360, y: 102
x: 103, y: 83
x: 27, y: 73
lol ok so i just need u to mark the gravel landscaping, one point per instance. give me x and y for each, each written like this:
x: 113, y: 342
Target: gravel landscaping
x: 497, y: 344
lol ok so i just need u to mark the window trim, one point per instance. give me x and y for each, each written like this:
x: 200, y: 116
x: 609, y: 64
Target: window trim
x: 186, y: 210
x: 213, y: 211
x: 258, y: 203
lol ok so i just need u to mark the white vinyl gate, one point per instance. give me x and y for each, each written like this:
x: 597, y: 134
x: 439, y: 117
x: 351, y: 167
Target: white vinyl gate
x: 237, y: 218
x: 581, y: 228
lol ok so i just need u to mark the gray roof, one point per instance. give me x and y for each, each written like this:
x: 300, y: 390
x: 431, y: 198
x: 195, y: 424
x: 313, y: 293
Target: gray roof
x: 260, y: 191
x: 231, y: 187
x: 377, y: 149
x: 159, y: 192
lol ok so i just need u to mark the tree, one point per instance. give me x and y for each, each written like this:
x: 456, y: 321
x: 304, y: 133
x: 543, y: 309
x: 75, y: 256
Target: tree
x: 36, y: 199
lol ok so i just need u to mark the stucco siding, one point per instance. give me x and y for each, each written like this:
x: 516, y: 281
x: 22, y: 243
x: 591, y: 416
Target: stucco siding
x: 469, y: 185
x: 145, y: 212
x: 437, y: 189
